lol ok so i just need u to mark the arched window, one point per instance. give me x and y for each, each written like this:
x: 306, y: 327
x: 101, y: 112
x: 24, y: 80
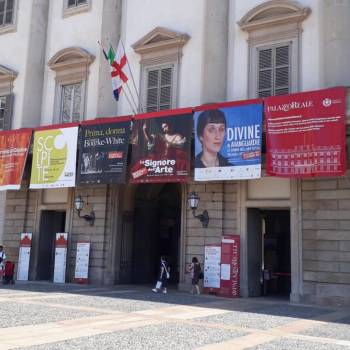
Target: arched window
x: 71, y: 66
x: 274, y: 30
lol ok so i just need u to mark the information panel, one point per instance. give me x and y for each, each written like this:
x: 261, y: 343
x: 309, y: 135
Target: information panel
x: 60, y: 258
x: 212, y: 257
x: 82, y: 262
x: 24, y: 256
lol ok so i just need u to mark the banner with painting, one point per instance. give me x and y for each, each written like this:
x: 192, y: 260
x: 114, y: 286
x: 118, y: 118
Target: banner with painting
x: 14, y: 146
x: 305, y: 134
x: 161, y: 143
x: 228, y: 141
x: 54, y: 156
x: 103, y: 150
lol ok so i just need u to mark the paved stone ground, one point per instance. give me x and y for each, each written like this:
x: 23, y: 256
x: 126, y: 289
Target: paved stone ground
x: 56, y: 317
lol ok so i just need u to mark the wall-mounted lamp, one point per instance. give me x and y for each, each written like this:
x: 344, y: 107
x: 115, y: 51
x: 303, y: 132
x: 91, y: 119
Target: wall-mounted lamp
x: 193, y: 200
x: 79, y: 205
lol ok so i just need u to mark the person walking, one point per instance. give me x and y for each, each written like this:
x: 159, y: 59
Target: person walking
x: 2, y: 261
x: 196, y: 270
x: 164, y: 275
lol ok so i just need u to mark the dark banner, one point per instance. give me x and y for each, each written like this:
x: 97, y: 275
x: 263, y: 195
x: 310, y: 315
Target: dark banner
x: 103, y: 148
x: 305, y: 134
x: 161, y: 144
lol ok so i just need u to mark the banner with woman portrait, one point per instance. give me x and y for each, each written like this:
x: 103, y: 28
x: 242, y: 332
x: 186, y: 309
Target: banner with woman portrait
x: 161, y: 144
x: 228, y: 141
x: 103, y: 146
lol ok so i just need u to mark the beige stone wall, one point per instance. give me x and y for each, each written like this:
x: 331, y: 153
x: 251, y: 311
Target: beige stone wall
x: 20, y: 215
x: 99, y: 235
x: 326, y: 239
x: 220, y: 200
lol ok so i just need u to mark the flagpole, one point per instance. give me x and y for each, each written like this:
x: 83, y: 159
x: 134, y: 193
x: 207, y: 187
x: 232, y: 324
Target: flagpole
x: 126, y: 96
x: 126, y: 83
x: 132, y: 77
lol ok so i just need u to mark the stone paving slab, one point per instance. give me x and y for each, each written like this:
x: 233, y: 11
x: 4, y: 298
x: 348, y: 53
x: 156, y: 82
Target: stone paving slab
x: 335, y: 330
x: 296, y: 344
x: 169, y: 335
x: 18, y: 314
x: 129, y: 302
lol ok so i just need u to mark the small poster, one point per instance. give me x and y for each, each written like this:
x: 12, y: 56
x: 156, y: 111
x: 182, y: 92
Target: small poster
x: 228, y: 141
x: 24, y: 256
x: 60, y: 258
x: 82, y: 262
x: 161, y: 147
x: 103, y: 150
x: 54, y: 157
x: 212, y: 256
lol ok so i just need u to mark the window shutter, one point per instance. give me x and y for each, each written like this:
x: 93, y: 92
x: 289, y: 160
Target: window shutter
x: 152, y: 90
x: 8, y: 112
x: 273, y: 71
x: 165, y: 88
x: 265, y: 73
x: 159, y: 89
x: 282, y: 70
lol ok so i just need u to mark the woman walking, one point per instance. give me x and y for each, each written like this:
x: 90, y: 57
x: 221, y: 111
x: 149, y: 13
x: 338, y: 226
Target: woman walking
x: 164, y: 275
x: 196, y: 270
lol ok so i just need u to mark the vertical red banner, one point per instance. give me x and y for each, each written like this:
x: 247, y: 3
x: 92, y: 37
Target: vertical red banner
x: 230, y: 266
x: 305, y: 134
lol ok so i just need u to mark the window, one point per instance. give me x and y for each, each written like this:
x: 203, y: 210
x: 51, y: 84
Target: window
x: 5, y: 112
x: 161, y: 52
x: 73, y: 7
x: 73, y: 3
x: 71, y: 66
x: 71, y: 103
x: 274, y: 29
x: 6, y: 12
x: 159, y: 89
x: 273, y: 70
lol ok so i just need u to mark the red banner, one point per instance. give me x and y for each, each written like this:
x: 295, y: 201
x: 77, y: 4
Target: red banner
x: 161, y: 144
x: 14, y: 147
x: 305, y: 134
x: 230, y: 266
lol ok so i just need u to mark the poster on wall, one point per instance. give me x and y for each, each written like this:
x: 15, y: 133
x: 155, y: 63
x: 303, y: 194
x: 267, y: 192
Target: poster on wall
x: 305, y: 134
x: 161, y: 144
x: 82, y: 262
x: 59, y: 275
x: 24, y: 256
x: 103, y: 150
x: 230, y: 266
x: 14, y: 146
x: 228, y: 141
x: 212, y: 258
x: 54, y: 157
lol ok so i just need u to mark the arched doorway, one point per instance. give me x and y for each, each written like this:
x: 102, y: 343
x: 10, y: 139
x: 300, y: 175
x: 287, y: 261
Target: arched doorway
x: 156, y: 231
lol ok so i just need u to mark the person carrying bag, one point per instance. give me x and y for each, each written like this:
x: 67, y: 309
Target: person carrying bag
x: 164, y: 275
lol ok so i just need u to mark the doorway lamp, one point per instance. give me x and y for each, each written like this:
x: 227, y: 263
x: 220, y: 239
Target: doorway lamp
x: 79, y: 205
x: 193, y: 200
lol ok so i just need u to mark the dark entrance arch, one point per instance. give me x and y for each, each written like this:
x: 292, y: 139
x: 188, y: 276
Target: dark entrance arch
x: 156, y: 232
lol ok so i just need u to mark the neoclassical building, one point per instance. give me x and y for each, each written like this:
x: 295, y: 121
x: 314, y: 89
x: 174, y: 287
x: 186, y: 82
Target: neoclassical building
x: 181, y: 54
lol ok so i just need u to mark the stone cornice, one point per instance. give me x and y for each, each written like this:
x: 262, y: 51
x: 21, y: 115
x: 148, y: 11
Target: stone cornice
x: 160, y: 39
x: 273, y: 13
x: 7, y: 75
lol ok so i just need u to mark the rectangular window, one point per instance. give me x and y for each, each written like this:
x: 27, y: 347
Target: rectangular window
x: 5, y: 112
x: 6, y: 12
x: 71, y: 103
x: 159, y: 89
x: 274, y: 69
x: 74, y: 3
